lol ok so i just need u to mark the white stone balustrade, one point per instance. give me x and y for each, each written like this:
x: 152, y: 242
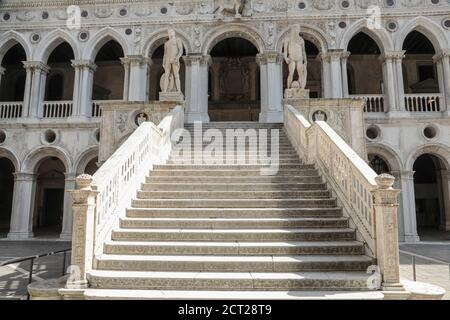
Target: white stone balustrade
x: 369, y: 200
x: 423, y: 102
x: 101, y: 200
x: 374, y: 102
x: 11, y: 110
x: 57, y: 109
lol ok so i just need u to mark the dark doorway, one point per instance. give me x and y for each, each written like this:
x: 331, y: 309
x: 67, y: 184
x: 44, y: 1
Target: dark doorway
x: 234, y: 88
x: 49, y: 199
x: 428, y: 192
x: 6, y: 192
x: 60, y: 80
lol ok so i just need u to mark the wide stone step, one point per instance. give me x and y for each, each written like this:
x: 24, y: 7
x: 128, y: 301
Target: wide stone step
x: 175, y: 186
x: 277, y: 281
x: 235, y: 179
x: 253, y: 161
x: 224, y: 223
x: 233, y: 212
x: 296, y: 166
x: 118, y: 294
x: 233, y: 172
x: 234, y: 263
x: 207, y: 194
x: 305, y: 234
x: 234, y: 248
x: 234, y: 203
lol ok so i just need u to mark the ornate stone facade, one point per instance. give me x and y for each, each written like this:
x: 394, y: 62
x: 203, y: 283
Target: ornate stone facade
x: 140, y: 27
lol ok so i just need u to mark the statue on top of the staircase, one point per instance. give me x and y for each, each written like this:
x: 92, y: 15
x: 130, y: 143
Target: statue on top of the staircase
x: 295, y: 56
x: 170, y: 81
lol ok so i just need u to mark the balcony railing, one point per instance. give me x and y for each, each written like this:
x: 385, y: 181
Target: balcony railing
x: 57, y: 109
x: 374, y: 102
x: 11, y: 110
x: 96, y: 110
x: 423, y: 102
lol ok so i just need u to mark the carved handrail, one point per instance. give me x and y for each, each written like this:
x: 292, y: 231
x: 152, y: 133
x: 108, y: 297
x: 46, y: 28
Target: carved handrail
x: 423, y: 102
x: 103, y: 198
x: 368, y: 199
x: 373, y: 102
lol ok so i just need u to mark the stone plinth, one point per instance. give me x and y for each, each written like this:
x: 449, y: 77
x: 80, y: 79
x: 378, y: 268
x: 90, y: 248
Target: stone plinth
x: 296, y: 93
x: 121, y: 118
x: 47, y: 289
x: 177, y: 97
x: 345, y: 116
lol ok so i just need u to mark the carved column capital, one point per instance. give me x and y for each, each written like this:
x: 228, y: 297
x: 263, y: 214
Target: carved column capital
x: 24, y: 176
x: 442, y: 54
x: 269, y: 57
x: 36, y: 66
x: 198, y: 59
x: 84, y: 64
x: 391, y: 56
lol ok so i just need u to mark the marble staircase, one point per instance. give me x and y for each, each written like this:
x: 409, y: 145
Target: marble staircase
x: 225, y: 227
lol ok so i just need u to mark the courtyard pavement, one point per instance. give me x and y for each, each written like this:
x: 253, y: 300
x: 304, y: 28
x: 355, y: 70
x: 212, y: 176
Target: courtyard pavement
x: 14, y: 278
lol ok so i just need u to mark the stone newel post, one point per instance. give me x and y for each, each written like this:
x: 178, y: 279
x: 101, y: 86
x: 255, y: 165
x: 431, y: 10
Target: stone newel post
x: 387, y: 252
x: 83, y: 231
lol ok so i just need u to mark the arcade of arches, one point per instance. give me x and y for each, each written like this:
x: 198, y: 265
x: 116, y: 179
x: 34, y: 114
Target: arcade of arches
x: 234, y: 94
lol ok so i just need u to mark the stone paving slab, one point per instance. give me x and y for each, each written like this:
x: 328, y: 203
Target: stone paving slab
x: 426, y: 271
x: 14, y: 278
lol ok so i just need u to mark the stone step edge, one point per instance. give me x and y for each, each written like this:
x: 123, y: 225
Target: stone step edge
x: 117, y: 294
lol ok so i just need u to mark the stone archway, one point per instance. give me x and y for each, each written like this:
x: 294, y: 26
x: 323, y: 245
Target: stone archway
x: 234, y: 86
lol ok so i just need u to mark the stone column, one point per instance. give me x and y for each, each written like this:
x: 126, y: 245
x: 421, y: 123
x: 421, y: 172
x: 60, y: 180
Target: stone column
x: 385, y: 204
x: 197, y: 87
x: 83, y: 207
x: 326, y: 75
x: 22, y: 207
x: 70, y: 184
x: 443, y: 66
x: 135, y: 82
x: 335, y: 76
x: 389, y: 82
x: 38, y: 73
x: 126, y: 80
x: 409, y: 206
x: 400, y: 211
x: 397, y: 58
x: 271, y: 87
x: 83, y: 86
x: 344, y: 58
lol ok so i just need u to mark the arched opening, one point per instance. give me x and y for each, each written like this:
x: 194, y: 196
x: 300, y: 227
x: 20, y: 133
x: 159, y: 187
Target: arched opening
x: 234, y: 86
x: 91, y: 166
x: 364, y: 53
x: 6, y: 191
x: 419, y: 69
x: 60, y: 79
x: 110, y: 73
x: 378, y: 164
x: 430, y: 199
x: 49, y: 197
x: 314, y: 69
x: 157, y: 70
x: 12, y: 82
